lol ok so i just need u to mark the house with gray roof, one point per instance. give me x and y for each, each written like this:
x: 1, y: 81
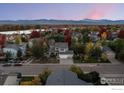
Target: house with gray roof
x: 13, y: 48
x: 63, y: 50
x: 76, y: 35
x: 94, y: 36
x: 61, y: 47
x: 65, y: 77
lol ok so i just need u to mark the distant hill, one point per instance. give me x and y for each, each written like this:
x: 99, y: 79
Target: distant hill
x: 45, y: 21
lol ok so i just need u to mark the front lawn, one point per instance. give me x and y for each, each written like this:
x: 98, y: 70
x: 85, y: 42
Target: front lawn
x: 27, y: 78
x: 46, y: 60
x: 36, y: 80
x: 90, y: 60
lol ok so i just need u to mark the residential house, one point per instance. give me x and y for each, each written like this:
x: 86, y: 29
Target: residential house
x: 61, y: 47
x: 94, y: 36
x: 63, y: 50
x: 114, y: 35
x: 13, y: 48
x: 76, y: 35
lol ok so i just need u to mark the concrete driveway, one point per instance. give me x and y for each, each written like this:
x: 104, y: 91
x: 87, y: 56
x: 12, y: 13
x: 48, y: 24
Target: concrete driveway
x: 66, y: 61
x: 111, y: 57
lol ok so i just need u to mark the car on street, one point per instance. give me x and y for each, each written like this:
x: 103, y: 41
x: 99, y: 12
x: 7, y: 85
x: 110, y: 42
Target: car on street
x: 7, y: 64
x: 17, y: 64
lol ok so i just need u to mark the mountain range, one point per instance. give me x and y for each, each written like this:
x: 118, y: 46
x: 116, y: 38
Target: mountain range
x: 53, y: 21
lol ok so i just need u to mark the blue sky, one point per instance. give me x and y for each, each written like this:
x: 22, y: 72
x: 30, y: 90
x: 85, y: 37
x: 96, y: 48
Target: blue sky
x: 63, y: 11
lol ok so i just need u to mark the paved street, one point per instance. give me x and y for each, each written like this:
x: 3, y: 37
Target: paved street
x: 33, y: 69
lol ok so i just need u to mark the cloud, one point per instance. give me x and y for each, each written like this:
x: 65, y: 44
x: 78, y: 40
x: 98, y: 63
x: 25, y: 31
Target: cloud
x: 100, y: 11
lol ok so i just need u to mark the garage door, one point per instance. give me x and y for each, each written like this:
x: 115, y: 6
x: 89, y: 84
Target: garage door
x: 65, y: 56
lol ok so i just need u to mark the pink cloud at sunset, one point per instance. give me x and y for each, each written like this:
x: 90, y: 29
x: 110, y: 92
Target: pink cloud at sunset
x: 100, y: 11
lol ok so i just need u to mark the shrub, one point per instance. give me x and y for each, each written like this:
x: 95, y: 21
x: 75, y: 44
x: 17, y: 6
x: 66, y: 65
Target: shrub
x: 76, y: 70
x: 91, y: 60
x: 76, y: 56
x: 120, y: 55
x: 26, y: 83
x: 121, y: 34
x: 104, y: 57
x: 44, y: 75
x: 36, y: 81
x: 92, y: 77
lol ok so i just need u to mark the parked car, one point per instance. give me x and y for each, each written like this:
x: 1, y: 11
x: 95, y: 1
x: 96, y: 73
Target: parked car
x: 7, y: 64
x: 11, y: 61
x: 17, y: 64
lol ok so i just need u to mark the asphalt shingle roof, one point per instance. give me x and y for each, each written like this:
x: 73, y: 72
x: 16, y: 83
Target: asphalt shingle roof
x: 64, y: 77
x: 61, y: 45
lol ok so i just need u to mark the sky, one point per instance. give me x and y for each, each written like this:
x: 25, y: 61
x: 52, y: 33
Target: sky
x: 61, y: 11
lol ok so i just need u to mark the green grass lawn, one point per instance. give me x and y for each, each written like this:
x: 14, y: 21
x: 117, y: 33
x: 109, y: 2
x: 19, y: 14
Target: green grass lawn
x: 46, y: 60
x: 89, y: 61
x: 27, y: 78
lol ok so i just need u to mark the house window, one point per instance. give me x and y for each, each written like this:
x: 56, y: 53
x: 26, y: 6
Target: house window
x: 61, y: 49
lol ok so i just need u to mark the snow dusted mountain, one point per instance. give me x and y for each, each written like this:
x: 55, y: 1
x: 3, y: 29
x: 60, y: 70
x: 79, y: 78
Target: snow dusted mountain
x: 53, y: 21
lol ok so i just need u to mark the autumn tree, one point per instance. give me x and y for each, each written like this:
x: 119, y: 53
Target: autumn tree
x: 104, y: 35
x: 85, y: 36
x: 77, y: 46
x: 18, y: 39
x: 67, y: 39
x: 24, y: 38
x: 2, y: 40
x: 35, y: 34
x: 89, y: 48
x: 121, y: 34
x: 39, y: 49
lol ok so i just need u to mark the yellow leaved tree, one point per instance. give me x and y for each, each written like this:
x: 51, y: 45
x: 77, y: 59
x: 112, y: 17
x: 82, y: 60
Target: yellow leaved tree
x: 89, y: 48
x: 18, y: 39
